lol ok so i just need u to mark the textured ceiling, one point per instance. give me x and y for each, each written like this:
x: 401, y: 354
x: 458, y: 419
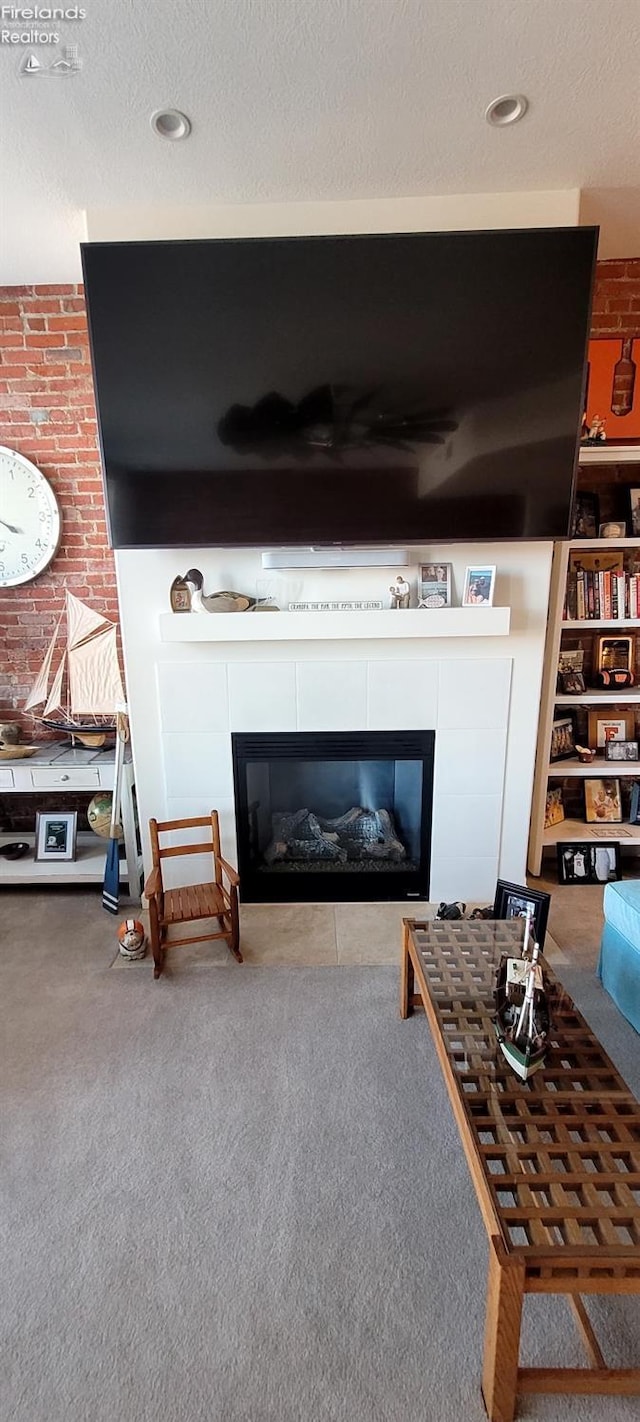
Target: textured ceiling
x: 295, y: 100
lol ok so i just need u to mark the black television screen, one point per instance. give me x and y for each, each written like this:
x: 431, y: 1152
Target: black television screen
x: 328, y: 390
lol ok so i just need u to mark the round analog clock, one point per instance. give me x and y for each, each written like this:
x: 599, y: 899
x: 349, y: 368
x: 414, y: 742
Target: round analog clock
x: 30, y: 522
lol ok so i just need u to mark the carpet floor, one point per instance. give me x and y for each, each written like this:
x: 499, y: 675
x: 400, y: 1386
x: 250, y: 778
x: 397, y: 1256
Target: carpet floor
x: 239, y: 1195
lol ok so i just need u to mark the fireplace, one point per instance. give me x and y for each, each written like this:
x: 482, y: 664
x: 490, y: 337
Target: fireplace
x: 336, y: 815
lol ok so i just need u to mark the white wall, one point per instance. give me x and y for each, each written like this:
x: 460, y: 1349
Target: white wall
x: 450, y: 213
x: 182, y: 714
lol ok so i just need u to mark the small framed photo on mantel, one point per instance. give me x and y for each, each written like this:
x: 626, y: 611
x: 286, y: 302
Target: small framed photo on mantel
x: 434, y: 588
x: 479, y: 584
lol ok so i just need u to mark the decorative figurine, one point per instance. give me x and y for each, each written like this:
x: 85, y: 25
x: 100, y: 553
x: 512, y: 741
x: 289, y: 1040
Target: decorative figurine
x: 400, y: 592
x: 214, y: 602
x: 454, y: 910
x: 597, y: 433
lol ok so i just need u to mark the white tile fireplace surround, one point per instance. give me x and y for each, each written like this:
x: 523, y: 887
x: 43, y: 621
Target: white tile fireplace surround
x: 480, y: 693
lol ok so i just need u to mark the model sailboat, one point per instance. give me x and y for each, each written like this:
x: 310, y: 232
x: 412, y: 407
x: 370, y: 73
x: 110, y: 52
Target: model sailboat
x: 82, y: 694
x: 522, y: 1020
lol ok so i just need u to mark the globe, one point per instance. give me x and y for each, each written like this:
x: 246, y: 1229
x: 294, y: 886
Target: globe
x: 99, y: 814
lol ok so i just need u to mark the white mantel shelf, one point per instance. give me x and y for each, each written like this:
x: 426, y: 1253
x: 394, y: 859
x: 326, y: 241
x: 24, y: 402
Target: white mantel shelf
x: 334, y: 626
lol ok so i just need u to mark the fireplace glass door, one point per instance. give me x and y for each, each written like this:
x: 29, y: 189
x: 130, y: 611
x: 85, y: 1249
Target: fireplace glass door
x: 333, y: 815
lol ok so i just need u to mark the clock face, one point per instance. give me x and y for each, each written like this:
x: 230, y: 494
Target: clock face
x: 29, y: 520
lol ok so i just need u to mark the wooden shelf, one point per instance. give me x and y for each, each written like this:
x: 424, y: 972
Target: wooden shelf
x: 595, y: 622
x: 612, y: 769
x: 577, y: 829
x: 335, y: 626
x: 583, y: 544
x: 609, y: 453
x: 87, y: 867
x: 622, y: 697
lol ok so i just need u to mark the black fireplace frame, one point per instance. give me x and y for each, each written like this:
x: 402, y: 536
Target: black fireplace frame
x: 343, y: 887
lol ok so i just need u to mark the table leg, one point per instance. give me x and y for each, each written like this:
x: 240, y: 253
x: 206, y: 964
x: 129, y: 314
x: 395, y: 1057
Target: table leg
x: 505, y: 1290
x: 406, y: 975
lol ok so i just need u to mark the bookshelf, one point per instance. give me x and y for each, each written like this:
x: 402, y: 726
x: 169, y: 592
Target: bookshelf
x: 610, y: 471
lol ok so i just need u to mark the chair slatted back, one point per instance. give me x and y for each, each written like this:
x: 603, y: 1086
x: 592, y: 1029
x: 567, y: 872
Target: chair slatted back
x: 172, y: 851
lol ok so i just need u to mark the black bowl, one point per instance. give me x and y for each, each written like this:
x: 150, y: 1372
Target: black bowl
x: 15, y: 850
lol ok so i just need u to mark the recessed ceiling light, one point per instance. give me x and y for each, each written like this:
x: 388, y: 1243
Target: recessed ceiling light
x: 171, y: 123
x: 509, y: 108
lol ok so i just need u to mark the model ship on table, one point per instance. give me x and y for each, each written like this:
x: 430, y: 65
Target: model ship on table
x: 522, y: 1019
x: 80, y: 697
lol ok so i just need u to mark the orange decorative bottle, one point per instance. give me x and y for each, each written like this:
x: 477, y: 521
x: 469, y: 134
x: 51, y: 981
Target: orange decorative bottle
x: 624, y: 379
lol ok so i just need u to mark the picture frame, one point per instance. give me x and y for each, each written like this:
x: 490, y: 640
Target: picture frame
x: 600, y: 560
x: 585, y: 521
x: 570, y: 660
x: 602, y: 801
x: 634, y: 810
x: 634, y: 511
x: 586, y: 862
x: 613, y: 529
x: 512, y: 901
x: 56, y: 835
x: 622, y: 750
x: 479, y: 585
x: 563, y: 743
x: 616, y: 654
x: 554, y: 807
x: 434, y: 587
x: 572, y: 683
x: 620, y: 726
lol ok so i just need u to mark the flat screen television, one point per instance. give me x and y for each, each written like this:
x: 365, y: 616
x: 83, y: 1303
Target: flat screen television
x: 340, y: 390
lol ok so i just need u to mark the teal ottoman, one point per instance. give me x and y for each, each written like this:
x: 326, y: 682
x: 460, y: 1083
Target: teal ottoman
x: 619, y: 961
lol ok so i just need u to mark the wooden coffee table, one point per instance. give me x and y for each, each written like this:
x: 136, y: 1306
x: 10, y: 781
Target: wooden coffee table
x: 555, y: 1161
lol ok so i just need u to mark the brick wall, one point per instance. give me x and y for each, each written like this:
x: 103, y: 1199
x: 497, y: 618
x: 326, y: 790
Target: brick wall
x: 616, y: 304
x: 47, y: 413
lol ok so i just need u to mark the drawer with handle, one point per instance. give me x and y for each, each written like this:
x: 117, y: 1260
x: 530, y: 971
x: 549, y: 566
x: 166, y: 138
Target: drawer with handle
x: 85, y: 778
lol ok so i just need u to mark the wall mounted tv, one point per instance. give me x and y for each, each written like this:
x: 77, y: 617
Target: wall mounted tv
x: 329, y: 390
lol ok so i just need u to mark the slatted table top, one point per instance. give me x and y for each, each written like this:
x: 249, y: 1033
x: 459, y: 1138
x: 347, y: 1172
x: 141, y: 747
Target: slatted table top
x: 555, y: 1160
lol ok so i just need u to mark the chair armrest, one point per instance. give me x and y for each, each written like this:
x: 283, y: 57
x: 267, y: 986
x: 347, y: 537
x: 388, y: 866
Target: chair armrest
x: 153, y: 885
x: 230, y: 873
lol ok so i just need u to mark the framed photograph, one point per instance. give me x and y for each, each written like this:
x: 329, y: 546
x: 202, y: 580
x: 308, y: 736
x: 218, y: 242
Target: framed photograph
x: 597, y: 562
x: 621, y: 726
x: 616, y: 654
x: 554, y: 808
x: 563, y: 742
x: 586, y: 516
x: 479, y: 584
x: 513, y: 900
x: 612, y: 530
x: 588, y: 863
x: 434, y: 588
x: 56, y: 834
x: 621, y: 750
x: 572, y: 660
x: 634, y: 813
x: 572, y: 683
x: 634, y: 508
x: 602, y: 803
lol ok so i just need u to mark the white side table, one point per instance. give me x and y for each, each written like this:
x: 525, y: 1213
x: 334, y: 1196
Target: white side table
x: 60, y: 770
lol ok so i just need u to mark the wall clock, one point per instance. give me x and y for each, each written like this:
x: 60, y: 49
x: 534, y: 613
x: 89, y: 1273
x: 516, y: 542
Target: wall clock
x: 30, y: 522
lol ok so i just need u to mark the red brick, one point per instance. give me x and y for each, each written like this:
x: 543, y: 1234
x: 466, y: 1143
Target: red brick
x: 54, y: 290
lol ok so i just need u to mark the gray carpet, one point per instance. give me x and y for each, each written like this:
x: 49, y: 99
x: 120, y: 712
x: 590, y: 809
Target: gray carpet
x: 239, y: 1195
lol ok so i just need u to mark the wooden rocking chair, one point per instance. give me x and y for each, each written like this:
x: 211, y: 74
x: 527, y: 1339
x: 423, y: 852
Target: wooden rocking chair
x: 216, y: 899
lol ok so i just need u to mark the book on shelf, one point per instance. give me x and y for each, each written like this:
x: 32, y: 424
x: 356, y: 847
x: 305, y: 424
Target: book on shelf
x: 602, y: 595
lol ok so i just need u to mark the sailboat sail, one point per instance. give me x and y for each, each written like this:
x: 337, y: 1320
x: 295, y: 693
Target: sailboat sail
x: 39, y: 690
x: 54, y: 699
x: 94, y: 677
x: 90, y: 662
x: 82, y: 621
